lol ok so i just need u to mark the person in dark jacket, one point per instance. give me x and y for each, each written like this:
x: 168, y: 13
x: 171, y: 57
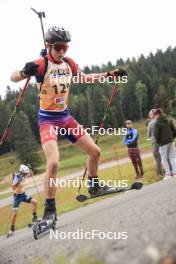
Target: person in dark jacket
x: 131, y: 140
x: 164, y: 132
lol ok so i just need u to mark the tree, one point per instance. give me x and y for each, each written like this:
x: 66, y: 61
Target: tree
x: 24, y: 141
x: 161, y: 98
x: 90, y: 106
x: 4, y: 117
x: 141, y: 93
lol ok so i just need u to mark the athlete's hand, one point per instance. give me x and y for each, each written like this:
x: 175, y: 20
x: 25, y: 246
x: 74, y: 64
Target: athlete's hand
x: 117, y: 73
x: 30, y: 69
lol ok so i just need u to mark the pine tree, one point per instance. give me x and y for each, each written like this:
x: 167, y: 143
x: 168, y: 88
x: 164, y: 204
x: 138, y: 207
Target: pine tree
x: 141, y: 93
x: 24, y: 141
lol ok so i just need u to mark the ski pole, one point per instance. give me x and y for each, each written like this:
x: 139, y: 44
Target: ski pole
x: 6, y: 131
x: 41, y: 15
x: 114, y: 88
x: 30, y: 167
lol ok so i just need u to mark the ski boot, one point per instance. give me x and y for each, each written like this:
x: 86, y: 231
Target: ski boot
x: 34, y: 217
x: 94, y: 188
x: 11, y: 231
x: 50, y: 212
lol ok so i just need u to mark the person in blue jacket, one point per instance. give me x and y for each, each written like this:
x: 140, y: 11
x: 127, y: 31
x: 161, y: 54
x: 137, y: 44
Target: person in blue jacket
x: 131, y: 140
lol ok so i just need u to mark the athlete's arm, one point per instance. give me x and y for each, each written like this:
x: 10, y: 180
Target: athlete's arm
x: 80, y: 76
x: 91, y: 78
x: 16, y: 181
x: 98, y: 77
x: 30, y: 69
x: 17, y: 76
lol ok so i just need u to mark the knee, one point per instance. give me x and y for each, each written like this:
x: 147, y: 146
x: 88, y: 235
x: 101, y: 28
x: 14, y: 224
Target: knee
x: 34, y: 202
x: 53, y: 166
x: 96, y: 153
x: 14, y: 212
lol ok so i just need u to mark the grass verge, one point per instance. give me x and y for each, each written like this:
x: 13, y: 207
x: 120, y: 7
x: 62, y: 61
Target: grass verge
x: 65, y: 197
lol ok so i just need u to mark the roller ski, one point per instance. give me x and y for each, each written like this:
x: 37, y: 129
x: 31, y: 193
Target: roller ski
x: 47, y: 222
x: 97, y: 190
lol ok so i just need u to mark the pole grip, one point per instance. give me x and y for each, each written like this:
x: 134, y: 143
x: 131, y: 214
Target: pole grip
x: 41, y: 15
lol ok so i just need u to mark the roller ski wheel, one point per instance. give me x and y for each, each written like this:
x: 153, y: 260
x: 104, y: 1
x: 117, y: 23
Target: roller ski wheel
x: 42, y: 226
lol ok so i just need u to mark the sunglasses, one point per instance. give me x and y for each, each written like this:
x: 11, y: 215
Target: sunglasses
x: 59, y: 47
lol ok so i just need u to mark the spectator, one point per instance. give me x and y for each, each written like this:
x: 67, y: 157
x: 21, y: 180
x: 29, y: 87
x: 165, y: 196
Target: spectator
x: 164, y: 132
x: 131, y: 140
x: 155, y: 146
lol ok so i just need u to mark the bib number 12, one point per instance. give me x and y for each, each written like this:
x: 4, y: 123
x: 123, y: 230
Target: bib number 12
x: 63, y: 88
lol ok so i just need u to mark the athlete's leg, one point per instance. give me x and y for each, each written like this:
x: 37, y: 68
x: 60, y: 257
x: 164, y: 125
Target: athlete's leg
x: 51, y: 152
x: 34, y: 205
x: 34, y: 209
x: 16, y: 203
x: 87, y: 144
x: 13, y: 221
x: 50, y: 148
x: 13, y: 218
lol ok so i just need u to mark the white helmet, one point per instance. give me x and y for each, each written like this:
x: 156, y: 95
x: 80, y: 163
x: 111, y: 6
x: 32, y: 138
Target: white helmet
x: 24, y: 169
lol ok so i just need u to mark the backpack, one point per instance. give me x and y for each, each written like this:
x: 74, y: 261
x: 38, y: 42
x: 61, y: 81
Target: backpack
x: 172, y: 126
x: 46, y: 66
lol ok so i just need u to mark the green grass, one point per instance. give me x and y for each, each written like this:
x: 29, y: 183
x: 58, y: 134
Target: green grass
x: 65, y: 197
x: 8, y: 164
x: 82, y: 259
x: 4, y: 186
x: 6, y: 195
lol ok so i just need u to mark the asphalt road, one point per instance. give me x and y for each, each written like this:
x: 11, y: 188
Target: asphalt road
x: 148, y: 216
